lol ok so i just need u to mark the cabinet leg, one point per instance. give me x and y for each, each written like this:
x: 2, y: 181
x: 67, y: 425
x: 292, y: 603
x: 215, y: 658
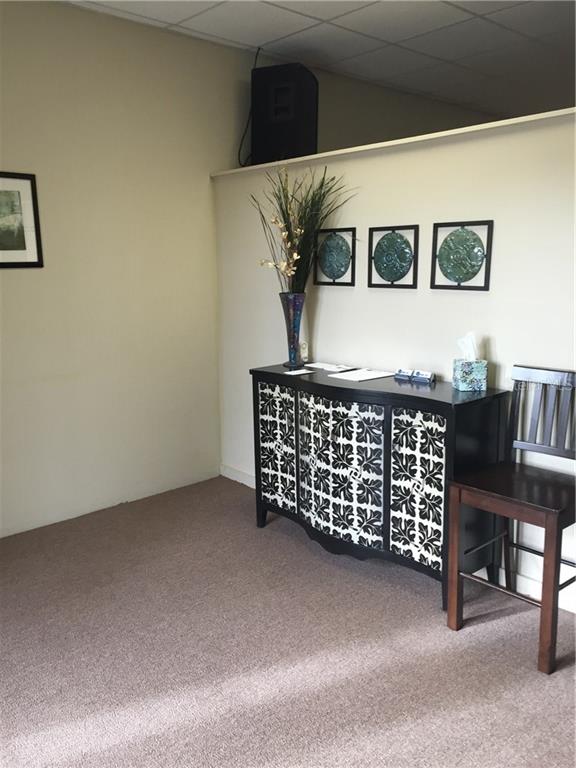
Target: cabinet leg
x: 261, y: 512
x: 455, y: 591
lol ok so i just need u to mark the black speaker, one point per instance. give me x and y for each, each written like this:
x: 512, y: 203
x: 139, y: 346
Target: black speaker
x: 284, y: 113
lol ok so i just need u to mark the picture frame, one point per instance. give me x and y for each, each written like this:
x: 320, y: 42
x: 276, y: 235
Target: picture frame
x: 20, y: 240
x: 393, y: 256
x: 462, y: 255
x: 335, y: 256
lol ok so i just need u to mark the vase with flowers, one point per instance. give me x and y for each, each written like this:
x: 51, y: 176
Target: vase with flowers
x: 291, y: 214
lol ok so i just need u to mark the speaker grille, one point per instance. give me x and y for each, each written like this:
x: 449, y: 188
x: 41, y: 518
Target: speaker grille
x: 284, y: 113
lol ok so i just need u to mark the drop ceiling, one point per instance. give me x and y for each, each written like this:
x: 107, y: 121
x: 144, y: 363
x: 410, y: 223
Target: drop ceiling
x: 500, y: 58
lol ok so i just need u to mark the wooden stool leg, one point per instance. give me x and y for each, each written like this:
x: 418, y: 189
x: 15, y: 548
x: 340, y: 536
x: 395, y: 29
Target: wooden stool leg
x: 455, y: 611
x: 549, y: 608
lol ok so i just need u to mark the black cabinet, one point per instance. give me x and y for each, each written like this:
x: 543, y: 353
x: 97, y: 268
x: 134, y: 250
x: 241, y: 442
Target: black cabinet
x: 364, y: 468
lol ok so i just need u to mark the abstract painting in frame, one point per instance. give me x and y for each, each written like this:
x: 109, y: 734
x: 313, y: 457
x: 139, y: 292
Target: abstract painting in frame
x: 20, y: 243
x: 335, y: 262
x: 393, y: 257
x: 462, y: 255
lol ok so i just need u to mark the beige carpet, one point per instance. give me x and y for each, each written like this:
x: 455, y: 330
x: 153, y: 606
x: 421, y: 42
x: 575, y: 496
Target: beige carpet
x: 172, y: 632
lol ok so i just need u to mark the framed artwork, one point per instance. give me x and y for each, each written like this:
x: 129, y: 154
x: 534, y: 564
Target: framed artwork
x: 335, y: 262
x: 393, y: 257
x: 20, y: 244
x: 461, y: 255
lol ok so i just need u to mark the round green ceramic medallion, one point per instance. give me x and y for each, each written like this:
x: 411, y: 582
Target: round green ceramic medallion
x: 461, y: 255
x: 393, y: 257
x: 334, y: 256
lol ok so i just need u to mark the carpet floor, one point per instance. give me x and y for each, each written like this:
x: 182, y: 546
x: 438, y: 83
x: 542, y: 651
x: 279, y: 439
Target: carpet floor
x: 171, y: 632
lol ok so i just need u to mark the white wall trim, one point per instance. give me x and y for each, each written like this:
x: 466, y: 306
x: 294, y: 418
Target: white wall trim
x: 237, y: 474
x: 400, y: 142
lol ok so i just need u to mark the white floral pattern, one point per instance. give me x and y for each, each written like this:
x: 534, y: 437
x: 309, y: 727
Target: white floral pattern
x: 277, y: 432
x: 417, y: 486
x: 341, y: 449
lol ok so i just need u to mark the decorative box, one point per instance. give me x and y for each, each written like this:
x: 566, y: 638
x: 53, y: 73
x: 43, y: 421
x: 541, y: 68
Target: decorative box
x: 470, y: 375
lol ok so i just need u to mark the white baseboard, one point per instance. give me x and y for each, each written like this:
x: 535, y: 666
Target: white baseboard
x: 236, y: 474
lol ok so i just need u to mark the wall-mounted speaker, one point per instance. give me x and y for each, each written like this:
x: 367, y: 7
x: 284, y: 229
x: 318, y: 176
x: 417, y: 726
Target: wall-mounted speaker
x: 284, y: 113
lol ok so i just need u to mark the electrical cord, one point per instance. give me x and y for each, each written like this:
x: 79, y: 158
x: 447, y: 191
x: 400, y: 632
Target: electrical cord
x: 248, y: 121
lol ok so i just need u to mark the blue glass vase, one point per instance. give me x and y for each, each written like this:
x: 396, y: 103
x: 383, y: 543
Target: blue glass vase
x: 292, y: 304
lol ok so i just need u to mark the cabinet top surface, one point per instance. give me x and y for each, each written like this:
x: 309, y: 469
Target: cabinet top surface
x: 441, y: 392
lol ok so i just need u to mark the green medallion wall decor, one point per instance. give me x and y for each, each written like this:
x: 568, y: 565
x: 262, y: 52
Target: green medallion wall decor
x: 335, y: 261
x: 393, y: 257
x: 461, y: 255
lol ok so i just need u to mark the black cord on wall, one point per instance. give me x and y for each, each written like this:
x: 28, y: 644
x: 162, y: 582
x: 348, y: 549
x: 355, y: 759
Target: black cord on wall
x: 248, y: 121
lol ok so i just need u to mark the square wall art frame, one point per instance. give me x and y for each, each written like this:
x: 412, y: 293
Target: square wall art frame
x: 393, y: 256
x: 20, y: 242
x: 335, y: 256
x: 462, y: 255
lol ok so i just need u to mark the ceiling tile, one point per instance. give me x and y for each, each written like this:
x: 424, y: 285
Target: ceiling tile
x: 323, y: 45
x: 451, y: 43
x: 249, y: 23
x: 384, y: 62
x: 321, y: 9
x: 168, y: 12
x: 482, y: 7
x: 395, y: 21
x: 537, y: 18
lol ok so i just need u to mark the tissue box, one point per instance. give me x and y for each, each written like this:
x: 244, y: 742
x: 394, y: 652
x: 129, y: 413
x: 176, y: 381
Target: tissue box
x: 470, y: 375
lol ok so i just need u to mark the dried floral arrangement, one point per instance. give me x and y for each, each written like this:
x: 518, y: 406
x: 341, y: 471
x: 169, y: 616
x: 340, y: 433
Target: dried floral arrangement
x: 292, y: 213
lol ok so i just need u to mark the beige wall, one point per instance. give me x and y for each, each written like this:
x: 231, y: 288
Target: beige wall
x: 521, y: 176
x: 353, y: 113
x: 109, y: 362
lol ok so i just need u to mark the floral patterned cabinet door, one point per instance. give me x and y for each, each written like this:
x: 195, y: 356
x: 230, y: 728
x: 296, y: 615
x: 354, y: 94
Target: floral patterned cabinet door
x: 341, y: 447
x: 417, y: 485
x: 277, y: 433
